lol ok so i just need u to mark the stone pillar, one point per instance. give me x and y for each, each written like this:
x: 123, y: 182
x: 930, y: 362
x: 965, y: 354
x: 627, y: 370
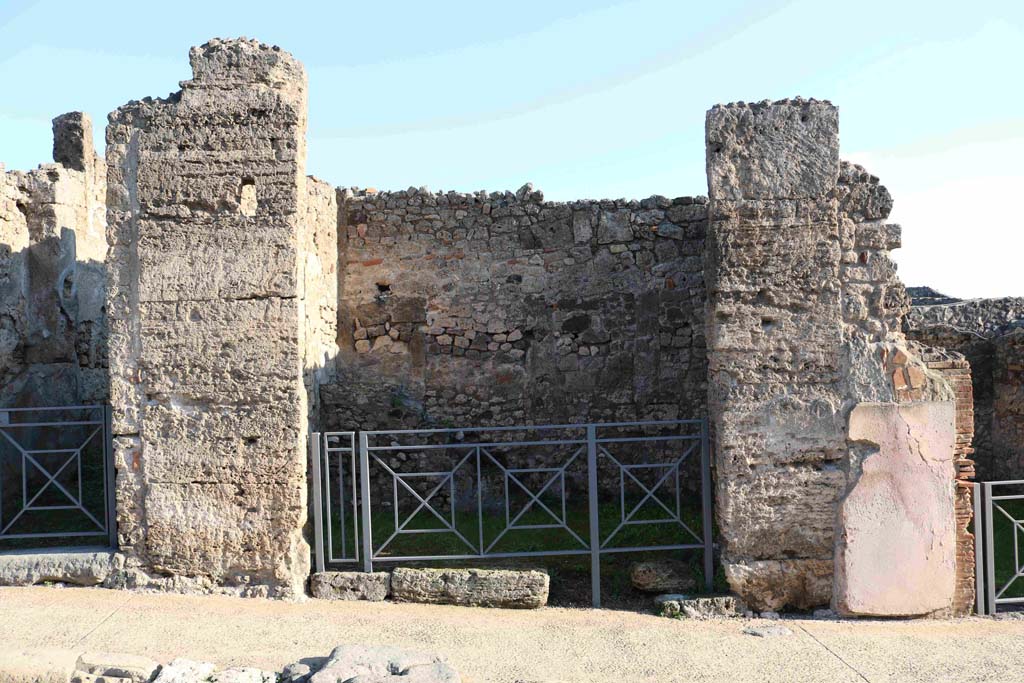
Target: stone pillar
x: 774, y: 346
x: 206, y: 202
x: 834, y: 441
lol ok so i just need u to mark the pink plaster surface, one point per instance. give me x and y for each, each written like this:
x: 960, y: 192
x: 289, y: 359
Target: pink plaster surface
x: 896, y: 547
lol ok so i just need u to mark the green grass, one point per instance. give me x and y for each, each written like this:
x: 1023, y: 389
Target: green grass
x: 1003, y: 531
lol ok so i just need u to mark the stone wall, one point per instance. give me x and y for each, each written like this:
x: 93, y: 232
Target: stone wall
x: 501, y: 308
x: 210, y: 249
x: 246, y: 303
x: 983, y: 330
x: 814, y: 446
x: 52, y: 280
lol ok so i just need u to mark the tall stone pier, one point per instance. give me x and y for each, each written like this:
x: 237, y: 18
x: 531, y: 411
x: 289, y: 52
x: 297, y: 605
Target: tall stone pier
x: 208, y: 348
x: 833, y: 439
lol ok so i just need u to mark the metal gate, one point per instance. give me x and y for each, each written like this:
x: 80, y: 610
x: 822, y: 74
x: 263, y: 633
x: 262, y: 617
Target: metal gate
x: 56, y: 477
x: 512, y: 492
x: 999, y: 544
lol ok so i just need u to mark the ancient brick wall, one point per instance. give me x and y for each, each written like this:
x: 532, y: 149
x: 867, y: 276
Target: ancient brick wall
x: 501, y: 308
x: 209, y: 245
x: 52, y: 280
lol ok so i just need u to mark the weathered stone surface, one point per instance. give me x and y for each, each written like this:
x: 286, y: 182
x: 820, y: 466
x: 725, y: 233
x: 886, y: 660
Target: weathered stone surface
x: 350, y: 585
x: 212, y: 249
x: 775, y: 341
x: 52, y: 280
x: 243, y: 675
x: 362, y: 664
x: 899, y: 514
x: 526, y: 589
x: 82, y: 677
x: 184, y: 671
x: 82, y: 567
x: 774, y: 584
x: 766, y: 150
x: 686, y: 607
x: 135, y: 668
x: 662, y: 576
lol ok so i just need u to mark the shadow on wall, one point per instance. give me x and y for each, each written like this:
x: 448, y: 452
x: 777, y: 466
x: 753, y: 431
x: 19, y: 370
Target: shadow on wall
x: 53, y: 346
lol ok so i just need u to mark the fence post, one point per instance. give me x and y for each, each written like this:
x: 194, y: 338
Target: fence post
x: 708, y: 512
x: 364, y: 479
x: 990, y: 567
x: 979, y: 562
x: 110, y: 481
x: 595, y: 530
x: 318, y: 505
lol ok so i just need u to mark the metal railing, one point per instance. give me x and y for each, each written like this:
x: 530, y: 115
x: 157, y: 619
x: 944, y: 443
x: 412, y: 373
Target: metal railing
x: 512, y: 492
x: 998, y: 537
x: 56, y: 476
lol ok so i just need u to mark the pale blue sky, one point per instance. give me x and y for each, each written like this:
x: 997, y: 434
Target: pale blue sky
x: 586, y: 98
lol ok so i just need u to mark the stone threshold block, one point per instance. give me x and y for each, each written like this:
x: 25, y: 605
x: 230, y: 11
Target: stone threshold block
x: 374, y: 587
x: 80, y: 566
x: 525, y: 589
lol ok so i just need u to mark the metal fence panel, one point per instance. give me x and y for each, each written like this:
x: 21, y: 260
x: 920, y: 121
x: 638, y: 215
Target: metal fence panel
x: 1002, y: 510
x: 480, y: 486
x: 56, y: 476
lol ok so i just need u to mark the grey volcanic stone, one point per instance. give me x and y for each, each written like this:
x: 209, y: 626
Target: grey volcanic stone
x: 84, y: 567
x: 243, y: 674
x: 476, y: 587
x: 362, y: 664
x: 350, y: 585
x: 184, y: 671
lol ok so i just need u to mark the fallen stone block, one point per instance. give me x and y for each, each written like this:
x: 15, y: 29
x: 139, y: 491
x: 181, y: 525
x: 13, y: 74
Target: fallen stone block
x: 81, y: 567
x: 711, y: 607
x: 382, y: 664
x: 518, y: 589
x: 134, y: 668
x: 350, y: 585
x: 662, y: 576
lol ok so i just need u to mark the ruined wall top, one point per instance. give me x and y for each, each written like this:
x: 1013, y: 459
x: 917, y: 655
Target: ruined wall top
x: 788, y: 149
x: 229, y: 62
x: 986, y: 318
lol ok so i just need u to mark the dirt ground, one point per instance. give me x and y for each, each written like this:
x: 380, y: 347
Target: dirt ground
x: 504, y: 646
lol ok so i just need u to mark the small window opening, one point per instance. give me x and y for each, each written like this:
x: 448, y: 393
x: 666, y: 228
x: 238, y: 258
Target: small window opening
x: 247, y: 200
